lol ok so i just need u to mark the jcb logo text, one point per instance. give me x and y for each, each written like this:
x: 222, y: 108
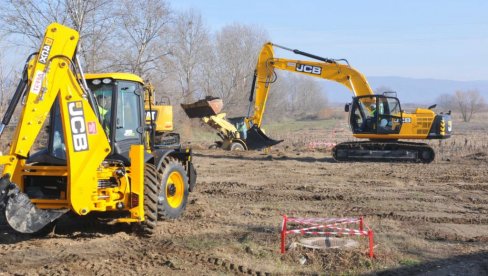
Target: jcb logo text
x: 78, y: 126
x: 316, y: 70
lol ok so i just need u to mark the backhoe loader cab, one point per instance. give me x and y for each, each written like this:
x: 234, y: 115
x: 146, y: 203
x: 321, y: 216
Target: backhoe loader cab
x: 99, y: 155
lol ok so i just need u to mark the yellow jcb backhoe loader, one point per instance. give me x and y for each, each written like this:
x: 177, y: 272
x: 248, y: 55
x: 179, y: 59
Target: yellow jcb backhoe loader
x: 378, y: 118
x: 99, y: 157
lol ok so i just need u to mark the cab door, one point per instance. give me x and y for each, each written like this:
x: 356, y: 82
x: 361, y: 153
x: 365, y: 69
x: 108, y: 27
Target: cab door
x: 362, y: 117
x: 389, y: 119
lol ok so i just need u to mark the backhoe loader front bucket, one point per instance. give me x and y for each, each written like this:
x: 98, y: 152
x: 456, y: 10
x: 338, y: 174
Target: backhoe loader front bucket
x: 203, y: 108
x: 21, y: 214
x: 257, y: 139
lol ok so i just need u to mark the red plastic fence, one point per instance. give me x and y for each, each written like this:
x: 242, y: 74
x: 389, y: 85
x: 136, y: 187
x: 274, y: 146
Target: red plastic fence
x: 328, y: 226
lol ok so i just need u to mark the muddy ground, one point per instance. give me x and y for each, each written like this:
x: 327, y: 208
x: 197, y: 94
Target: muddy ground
x: 428, y: 219
x: 425, y: 218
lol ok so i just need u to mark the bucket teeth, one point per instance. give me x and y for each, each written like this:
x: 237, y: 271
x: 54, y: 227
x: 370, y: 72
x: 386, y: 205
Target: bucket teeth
x: 21, y: 214
x: 257, y: 139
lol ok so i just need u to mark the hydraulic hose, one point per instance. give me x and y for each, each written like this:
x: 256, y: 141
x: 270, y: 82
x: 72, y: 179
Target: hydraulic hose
x: 19, y: 91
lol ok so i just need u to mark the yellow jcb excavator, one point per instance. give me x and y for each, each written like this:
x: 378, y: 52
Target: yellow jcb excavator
x: 378, y: 118
x: 99, y: 155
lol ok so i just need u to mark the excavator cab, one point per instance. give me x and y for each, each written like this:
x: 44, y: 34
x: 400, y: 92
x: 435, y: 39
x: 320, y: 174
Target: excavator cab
x: 375, y: 114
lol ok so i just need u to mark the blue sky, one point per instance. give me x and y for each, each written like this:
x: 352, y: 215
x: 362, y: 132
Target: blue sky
x: 421, y: 39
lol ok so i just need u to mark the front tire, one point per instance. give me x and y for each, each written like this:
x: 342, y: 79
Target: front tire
x: 236, y: 146
x: 173, y: 189
x: 151, y: 188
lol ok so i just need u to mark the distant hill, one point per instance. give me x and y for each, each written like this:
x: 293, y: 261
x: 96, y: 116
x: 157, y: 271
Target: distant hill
x: 409, y: 90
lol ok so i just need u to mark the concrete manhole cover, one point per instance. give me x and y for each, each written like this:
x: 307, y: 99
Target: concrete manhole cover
x: 325, y: 243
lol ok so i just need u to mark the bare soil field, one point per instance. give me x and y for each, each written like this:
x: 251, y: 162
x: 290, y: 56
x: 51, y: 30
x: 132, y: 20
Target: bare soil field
x: 429, y: 219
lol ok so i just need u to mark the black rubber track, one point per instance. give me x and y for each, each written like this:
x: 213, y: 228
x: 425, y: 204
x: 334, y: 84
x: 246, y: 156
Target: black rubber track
x: 391, y: 151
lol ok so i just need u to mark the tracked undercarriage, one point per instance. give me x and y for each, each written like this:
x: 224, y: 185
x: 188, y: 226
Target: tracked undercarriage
x: 384, y: 151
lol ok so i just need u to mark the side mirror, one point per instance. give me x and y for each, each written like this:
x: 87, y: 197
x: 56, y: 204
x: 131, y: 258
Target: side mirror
x: 347, y: 107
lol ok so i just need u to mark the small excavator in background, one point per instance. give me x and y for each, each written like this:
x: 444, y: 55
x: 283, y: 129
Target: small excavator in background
x: 236, y: 133
x: 378, y: 118
x: 100, y: 155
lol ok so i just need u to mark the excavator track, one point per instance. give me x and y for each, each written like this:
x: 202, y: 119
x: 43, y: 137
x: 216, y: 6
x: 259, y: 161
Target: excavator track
x: 384, y: 151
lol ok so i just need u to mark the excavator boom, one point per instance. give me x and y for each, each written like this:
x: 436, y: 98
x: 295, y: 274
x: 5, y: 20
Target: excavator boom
x: 327, y: 69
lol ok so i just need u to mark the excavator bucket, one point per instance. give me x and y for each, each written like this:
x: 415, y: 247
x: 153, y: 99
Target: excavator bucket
x: 257, y: 139
x: 203, y: 108
x: 21, y: 214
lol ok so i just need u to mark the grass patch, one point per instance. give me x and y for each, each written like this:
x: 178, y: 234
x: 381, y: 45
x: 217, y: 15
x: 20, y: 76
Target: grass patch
x: 409, y: 262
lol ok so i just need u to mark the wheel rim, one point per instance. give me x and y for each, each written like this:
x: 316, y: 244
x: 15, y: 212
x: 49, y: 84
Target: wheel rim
x: 237, y: 147
x: 174, y: 190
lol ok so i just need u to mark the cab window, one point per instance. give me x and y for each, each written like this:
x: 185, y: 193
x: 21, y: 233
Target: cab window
x: 128, y: 117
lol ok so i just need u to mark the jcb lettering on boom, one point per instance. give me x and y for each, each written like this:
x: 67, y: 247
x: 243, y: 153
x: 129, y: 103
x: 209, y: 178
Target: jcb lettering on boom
x: 316, y: 70
x: 78, y: 126
x: 45, y: 50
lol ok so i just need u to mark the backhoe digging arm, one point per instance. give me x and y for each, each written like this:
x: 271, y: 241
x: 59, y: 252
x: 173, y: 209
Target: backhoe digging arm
x: 50, y: 77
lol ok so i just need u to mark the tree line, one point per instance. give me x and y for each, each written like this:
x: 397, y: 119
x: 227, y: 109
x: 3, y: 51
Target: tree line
x: 174, y: 50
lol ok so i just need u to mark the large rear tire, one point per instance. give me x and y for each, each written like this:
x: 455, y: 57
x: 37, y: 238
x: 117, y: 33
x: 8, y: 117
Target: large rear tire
x: 151, y: 188
x: 173, y: 189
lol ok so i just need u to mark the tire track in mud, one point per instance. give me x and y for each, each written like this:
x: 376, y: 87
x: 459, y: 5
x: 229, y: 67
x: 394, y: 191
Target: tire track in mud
x: 132, y: 256
x: 143, y: 256
x: 171, y: 250
x: 405, y: 218
x: 451, y: 237
x: 471, y: 187
x: 255, y: 193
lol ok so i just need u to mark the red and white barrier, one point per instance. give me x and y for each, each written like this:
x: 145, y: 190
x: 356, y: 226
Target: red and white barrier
x: 327, y: 227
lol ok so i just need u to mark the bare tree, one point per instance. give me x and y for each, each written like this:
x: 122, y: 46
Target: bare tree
x: 304, y: 96
x: 468, y: 103
x: 92, y: 19
x: 29, y: 18
x: 7, y: 86
x: 446, y: 101
x: 142, y: 37
x: 236, y: 48
x: 189, y: 46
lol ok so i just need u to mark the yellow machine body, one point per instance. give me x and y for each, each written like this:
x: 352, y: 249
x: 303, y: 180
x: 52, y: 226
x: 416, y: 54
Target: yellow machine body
x: 78, y: 176
x: 415, y: 125
x: 86, y: 143
x: 159, y: 114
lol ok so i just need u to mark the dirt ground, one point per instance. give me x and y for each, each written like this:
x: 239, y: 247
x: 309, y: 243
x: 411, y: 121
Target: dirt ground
x: 428, y: 219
